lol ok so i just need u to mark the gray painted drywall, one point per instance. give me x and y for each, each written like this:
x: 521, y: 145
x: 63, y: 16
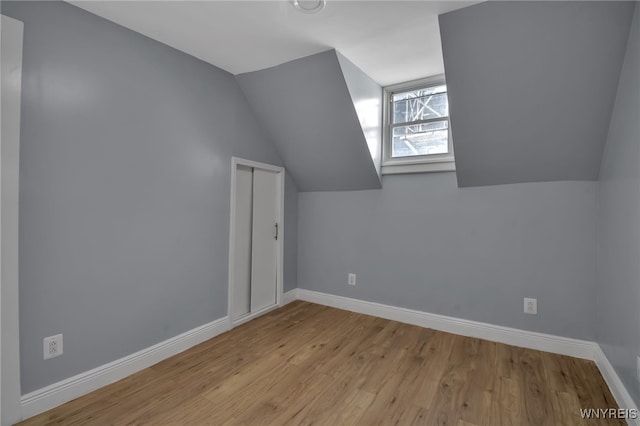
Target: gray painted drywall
x: 366, y: 96
x: 306, y: 107
x: 125, y: 180
x: 531, y: 87
x: 290, y: 233
x: 618, y: 292
x: 423, y: 243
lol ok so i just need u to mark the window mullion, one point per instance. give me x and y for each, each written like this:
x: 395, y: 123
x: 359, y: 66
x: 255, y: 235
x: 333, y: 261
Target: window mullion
x: 411, y: 123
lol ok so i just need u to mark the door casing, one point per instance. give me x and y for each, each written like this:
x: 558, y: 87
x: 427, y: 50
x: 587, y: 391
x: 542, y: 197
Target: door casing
x: 235, y: 162
x: 12, y: 33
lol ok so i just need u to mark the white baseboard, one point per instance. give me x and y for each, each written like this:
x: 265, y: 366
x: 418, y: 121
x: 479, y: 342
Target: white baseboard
x: 619, y: 391
x: 495, y: 333
x: 511, y: 336
x: 74, y: 387
x: 56, y: 394
x: 290, y: 296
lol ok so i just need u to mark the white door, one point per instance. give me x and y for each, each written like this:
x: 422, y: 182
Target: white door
x: 241, y: 303
x: 264, y: 247
x: 255, y: 254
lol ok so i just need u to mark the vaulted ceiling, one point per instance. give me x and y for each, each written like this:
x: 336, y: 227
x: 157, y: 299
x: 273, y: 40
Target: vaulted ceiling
x: 392, y: 41
x: 531, y: 87
x: 531, y: 84
x: 317, y: 111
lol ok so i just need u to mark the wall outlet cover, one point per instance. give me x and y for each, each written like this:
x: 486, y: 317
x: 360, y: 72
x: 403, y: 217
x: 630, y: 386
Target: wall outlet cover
x: 352, y: 279
x: 530, y: 306
x: 52, y: 346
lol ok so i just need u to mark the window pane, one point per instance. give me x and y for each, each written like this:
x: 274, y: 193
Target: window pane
x: 420, y: 139
x: 420, y: 108
x: 420, y: 92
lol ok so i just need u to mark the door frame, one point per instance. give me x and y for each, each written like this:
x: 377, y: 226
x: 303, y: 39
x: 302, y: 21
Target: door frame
x: 280, y: 171
x: 12, y: 35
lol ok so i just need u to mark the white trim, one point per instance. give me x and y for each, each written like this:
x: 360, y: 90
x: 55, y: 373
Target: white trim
x: 395, y: 165
x: 495, y: 333
x: 407, y: 86
x: 235, y: 162
x: 74, y: 387
x: 56, y: 394
x: 399, y: 169
x: 290, y: 296
x: 511, y: 336
x: 619, y: 391
x: 11, y: 35
x: 252, y: 315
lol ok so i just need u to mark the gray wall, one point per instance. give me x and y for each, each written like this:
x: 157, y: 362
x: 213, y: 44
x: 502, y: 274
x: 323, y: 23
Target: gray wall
x: 290, y: 233
x: 423, y: 243
x: 366, y: 96
x: 306, y: 107
x: 618, y: 294
x: 125, y: 180
x: 531, y: 87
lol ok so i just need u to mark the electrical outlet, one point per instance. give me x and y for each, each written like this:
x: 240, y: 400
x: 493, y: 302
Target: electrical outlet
x: 530, y: 306
x: 352, y: 279
x: 52, y: 346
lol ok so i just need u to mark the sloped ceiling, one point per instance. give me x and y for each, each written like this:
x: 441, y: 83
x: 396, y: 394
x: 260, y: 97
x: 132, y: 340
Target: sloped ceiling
x: 366, y: 96
x: 531, y: 87
x: 392, y: 41
x: 308, y: 110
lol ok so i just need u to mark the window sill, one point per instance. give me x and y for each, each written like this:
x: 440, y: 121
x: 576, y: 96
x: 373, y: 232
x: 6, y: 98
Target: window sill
x: 396, y: 169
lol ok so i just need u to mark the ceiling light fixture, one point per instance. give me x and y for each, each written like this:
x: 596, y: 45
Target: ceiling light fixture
x: 309, y: 6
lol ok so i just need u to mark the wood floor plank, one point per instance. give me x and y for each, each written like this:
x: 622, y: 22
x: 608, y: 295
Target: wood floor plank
x: 447, y: 406
x: 507, y: 403
x: 351, y: 409
x: 309, y: 364
x: 480, y: 386
x: 537, y: 405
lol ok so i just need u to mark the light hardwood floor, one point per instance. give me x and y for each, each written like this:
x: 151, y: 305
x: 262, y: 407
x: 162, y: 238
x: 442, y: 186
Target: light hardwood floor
x: 309, y: 364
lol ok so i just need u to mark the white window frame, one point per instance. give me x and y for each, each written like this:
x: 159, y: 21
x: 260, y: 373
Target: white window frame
x: 415, y: 164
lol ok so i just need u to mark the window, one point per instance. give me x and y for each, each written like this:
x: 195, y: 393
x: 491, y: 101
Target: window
x: 417, y: 136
